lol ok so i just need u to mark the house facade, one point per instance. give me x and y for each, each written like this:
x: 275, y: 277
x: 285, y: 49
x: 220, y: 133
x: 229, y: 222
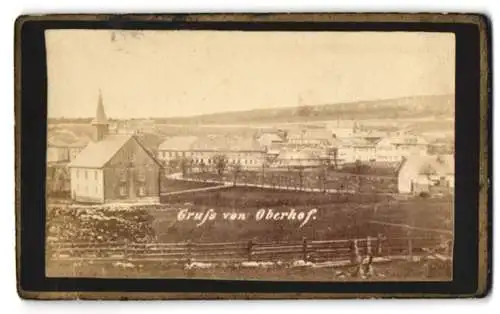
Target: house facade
x: 204, y: 151
x: 395, y: 148
x: 311, y: 137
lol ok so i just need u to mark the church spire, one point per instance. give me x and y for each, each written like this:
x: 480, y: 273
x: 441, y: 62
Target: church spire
x: 100, y: 116
x: 100, y: 122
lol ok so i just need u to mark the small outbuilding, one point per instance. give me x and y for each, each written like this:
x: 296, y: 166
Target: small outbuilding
x: 419, y: 174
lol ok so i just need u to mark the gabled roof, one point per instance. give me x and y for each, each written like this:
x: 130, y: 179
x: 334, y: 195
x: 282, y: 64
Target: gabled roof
x: 227, y: 144
x: 180, y: 143
x: 97, y: 154
x: 311, y: 134
x: 66, y: 141
x: 272, y: 137
x: 424, y: 165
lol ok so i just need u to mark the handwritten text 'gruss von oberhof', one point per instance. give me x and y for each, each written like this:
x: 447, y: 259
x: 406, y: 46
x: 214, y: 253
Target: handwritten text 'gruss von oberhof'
x: 261, y: 215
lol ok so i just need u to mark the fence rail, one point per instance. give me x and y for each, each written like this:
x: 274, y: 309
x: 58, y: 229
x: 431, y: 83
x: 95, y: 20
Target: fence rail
x: 309, y: 251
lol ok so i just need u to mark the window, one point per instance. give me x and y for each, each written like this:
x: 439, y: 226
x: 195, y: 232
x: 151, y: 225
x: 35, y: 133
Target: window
x: 141, y: 175
x: 142, y: 190
x: 86, y: 175
x: 123, y: 176
x: 77, y: 173
x: 123, y: 190
x: 95, y: 175
x: 96, y: 189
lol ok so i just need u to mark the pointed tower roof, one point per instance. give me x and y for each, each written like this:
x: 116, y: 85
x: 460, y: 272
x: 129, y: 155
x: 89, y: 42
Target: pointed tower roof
x: 100, y: 117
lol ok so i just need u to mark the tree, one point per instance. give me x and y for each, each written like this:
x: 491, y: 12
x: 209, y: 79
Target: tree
x: 173, y: 164
x: 322, y: 174
x: 265, y: 165
x: 203, y: 168
x: 304, y: 111
x: 301, y: 177
x: 185, y: 165
x: 236, y: 169
x: 220, y: 162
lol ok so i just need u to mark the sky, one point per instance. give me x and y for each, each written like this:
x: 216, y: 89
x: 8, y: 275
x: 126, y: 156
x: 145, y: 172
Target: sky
x: 183, y: 73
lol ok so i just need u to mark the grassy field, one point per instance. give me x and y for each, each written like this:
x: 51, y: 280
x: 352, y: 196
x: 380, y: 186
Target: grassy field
x: 170, y: 185
x: 390, y: 271
x: 336, y: 217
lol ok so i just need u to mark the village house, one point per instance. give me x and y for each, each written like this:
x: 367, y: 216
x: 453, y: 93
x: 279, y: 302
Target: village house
x: 64, y: 147
x: 301, y: 158
x: 176, y: 147
x: 204, y: 151
x: 425, y: 174
x: 310, y: 137
x: 268, y: 140
x: 114, y: 167
x: 397, y: 147
x: 356, y: 149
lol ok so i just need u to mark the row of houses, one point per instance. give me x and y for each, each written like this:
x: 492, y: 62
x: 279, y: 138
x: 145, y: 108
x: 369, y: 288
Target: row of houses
x: 111, y: 167
x: 305, y: 147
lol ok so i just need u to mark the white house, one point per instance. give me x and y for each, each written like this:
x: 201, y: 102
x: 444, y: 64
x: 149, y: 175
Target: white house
x: 395, y: 148
x: 421, y: 173
x: 268, y: 140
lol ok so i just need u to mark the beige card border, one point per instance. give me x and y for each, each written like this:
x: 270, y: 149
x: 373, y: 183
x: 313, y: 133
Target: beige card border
x: 477, y: 19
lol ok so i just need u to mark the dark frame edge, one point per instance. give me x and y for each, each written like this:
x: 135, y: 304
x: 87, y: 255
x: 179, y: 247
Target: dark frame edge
x: 18, y: 24
x: 485, y: 255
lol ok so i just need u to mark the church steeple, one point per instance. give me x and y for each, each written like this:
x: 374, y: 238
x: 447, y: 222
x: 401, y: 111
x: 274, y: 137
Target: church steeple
x: 100, y: 122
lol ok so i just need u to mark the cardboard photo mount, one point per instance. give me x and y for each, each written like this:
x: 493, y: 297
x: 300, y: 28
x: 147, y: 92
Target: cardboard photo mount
x: 472, y: 251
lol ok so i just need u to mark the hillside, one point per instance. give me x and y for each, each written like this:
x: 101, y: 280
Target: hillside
x: 438, y: 107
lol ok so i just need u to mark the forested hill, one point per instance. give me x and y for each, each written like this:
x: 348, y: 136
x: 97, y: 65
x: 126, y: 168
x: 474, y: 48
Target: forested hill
x: 437, y: 107
x: 442, y: 106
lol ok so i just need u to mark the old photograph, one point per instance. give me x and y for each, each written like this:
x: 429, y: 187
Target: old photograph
x: 250, y: 155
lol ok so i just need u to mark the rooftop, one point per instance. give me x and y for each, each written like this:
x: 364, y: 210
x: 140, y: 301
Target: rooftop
x: 97, y: 154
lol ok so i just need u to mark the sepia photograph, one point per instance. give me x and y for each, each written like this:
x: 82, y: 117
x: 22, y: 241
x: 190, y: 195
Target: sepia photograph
x: 249, y: 155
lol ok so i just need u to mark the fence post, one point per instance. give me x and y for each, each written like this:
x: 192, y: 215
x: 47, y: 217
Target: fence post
x: 449, y: 247
x: 379, y: 245
x: 355, y: 258
x: 368, y: 245
x: 125, y: 250
x: 249, y: 252
x: 188, y: 244
x: 304, y: 249
x: 410, y: 249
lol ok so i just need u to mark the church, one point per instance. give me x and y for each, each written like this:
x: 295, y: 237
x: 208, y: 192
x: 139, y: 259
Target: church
x: 114, y: 167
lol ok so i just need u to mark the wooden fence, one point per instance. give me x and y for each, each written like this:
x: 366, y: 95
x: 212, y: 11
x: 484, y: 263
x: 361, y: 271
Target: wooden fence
x: 309, y: 251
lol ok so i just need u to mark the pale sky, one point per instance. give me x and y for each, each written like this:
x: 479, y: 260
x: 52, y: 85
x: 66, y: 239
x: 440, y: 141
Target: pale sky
x: 181, y: 73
